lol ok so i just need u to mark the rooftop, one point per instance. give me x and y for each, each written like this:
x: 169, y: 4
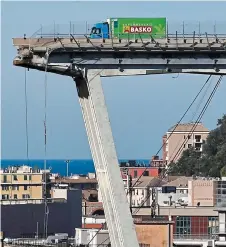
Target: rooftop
x: 80, y: 180
x: 24, y: 169
x: 187, y: 127
x: 179, y: 182
x: 148, y: 182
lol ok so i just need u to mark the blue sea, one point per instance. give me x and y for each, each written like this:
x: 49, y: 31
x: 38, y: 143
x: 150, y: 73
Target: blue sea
x: 59, y: 166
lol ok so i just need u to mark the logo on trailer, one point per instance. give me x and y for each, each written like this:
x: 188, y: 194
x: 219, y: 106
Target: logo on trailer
x: 126, y: 29
x: 140, y: 29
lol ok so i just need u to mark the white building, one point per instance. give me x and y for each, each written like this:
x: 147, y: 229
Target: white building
x: 178, y: 198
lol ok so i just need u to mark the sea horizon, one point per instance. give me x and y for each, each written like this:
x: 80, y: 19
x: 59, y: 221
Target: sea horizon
x: 76, y: 166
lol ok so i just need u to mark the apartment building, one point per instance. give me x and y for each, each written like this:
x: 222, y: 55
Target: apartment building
x: 23, y: 182
x: 179, y: 138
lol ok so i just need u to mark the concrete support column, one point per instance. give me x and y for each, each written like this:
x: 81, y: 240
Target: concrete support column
x: 119, y: 220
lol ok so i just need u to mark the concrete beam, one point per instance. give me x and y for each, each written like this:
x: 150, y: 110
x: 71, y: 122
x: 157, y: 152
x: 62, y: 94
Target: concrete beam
x: 172, y: 42
x: 119, y: 220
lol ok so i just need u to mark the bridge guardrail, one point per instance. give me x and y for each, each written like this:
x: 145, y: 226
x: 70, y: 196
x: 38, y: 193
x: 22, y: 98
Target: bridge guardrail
x: 183, y: 28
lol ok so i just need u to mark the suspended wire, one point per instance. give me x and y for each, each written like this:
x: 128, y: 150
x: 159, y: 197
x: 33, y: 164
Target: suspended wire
x: 26, y: 116
x: 45, y: 142
x: 26, y: 126
x: 138, y: 179
x: 201, y: 101
x: 197, y: 108
x: 198, y: 119
x: 161, y: 148
x: 175, y: 127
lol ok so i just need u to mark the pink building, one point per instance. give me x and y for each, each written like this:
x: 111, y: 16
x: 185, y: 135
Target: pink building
x: 202, y: 192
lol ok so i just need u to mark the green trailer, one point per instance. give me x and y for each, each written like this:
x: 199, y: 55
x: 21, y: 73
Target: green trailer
x: 135, y: 28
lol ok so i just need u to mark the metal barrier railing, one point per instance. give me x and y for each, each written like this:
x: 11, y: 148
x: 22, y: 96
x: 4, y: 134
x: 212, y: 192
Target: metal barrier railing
x: 183, y: 29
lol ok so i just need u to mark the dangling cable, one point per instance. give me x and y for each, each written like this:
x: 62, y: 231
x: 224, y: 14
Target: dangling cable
x: 194, y: 113
x: 25, y: 92
x: 45, y: 135
x: 26, y: 126
x: 199, y: 117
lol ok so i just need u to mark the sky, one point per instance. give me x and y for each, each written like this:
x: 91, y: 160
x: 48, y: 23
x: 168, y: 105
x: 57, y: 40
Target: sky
x: 141, y: 108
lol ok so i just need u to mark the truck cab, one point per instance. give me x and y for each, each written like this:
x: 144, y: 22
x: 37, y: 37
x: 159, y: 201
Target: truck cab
x: 100, y: 31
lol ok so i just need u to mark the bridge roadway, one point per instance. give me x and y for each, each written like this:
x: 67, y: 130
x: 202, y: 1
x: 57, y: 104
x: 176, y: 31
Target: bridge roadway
x: 86, y: 61
x: 170, y: 54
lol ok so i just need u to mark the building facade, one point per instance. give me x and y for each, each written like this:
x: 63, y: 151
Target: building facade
x: 27, y: 220
x: 24, y: 182
x: 181, y: 137
x: 202, y: 192
x: 188, y: 222
x: 136, y: 172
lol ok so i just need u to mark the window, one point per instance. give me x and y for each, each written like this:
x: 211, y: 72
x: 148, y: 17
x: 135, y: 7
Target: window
x: 25, y: 177
x: 189, y: 145
x: 5, y: 197
x: 115, y: 24
x: 15, y: 177
x: 25, y: 187
x: 5, y: 179
x: 213, y: 226
x: 184, y: 145
x: 183, y: 225
x: 25, y: 196
x: 198, y: 138
x: 135, y: 174
x: 5, y: 187
x: 15, y: 196
x: 96, y: 30
x: 146, y: 173
x: 92, y: 186
x: 189, y: 137
x: 15, y: 187
x: 29, y: 177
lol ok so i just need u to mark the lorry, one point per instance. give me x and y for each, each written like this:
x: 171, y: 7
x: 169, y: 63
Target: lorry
x: 129, y: 28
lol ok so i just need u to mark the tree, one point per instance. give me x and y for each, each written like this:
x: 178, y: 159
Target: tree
x: 213, y: 160
x: 187, y: 165
x: 223, y: 171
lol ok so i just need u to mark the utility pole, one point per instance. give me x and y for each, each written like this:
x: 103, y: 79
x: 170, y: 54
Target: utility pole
x: 67, y: 162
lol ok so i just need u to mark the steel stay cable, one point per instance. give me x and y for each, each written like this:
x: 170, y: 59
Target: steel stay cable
x: 26, y: 125
x: 194, y: 114
x: 205, y: 107
x: 26, y: 116
x: 45, y: 141
x: 175, y: 126
x: 186, y: 111
x: 163, y: 145
x: 200, y: 115
x: 48, y: 52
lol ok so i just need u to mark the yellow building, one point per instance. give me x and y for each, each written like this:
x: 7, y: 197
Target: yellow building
x: 24, y: 182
